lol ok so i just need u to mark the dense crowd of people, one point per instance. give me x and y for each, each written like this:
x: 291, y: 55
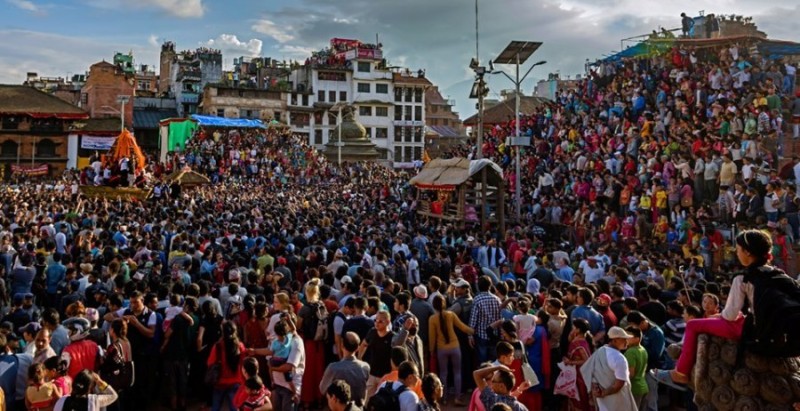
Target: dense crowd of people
x: 290, y: 282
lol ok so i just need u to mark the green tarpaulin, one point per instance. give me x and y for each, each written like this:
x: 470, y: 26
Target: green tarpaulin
x: 179, y: 133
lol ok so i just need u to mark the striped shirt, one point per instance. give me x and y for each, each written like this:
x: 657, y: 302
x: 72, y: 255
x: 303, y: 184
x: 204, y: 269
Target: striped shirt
x: 485, y: 311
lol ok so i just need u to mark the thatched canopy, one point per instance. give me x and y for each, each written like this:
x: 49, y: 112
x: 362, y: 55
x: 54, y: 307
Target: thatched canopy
x: 447, y: 174
x: 187, y: 177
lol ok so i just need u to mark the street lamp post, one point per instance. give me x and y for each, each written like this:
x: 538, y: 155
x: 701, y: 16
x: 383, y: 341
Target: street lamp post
x: 122, y: 99
x: 517, y: 52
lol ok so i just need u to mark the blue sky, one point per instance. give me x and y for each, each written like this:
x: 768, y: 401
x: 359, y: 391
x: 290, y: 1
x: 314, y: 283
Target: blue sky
x: 61, y: 37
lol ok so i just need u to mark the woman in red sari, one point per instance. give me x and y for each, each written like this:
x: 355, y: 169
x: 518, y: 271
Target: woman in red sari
x: 315, y: 350
x: 578, y: 352
x: 255, y: 335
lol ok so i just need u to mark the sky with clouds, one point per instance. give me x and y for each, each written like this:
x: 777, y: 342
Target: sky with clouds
x: 62, y: 37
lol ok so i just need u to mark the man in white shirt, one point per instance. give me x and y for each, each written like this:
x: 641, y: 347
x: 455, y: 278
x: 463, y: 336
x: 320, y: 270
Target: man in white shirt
x: 407, y: 376
x: 607, y: 373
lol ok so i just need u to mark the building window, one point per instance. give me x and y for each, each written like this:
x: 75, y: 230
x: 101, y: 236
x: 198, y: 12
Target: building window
x: 381, y: 132
x: 407, y: 113
x: 417, y: 153
x: 382, y: 111
x: 408, y: 94
x: 10, y: 123
x: 331, y: 97
x: 418, y: 95
x: 407, y: 154
x: 382, y: 88
x: 305, y: 99
x: 398, y: 113
x: 369, y: 132
x: 45, y: 148
x: 398, y: 94
x: 418, y: 113
x: 9, y: 148
x: 365, y: 111
x: 318, y: 137
x: 342, y: 96
x: 278, y: 115
x: 364, y: 66
x: 398, y: 154
x: 220, y: 112
x: 363, y: 88
x: 398, y: 134
x: 417, y: 135
x: 321, y: 96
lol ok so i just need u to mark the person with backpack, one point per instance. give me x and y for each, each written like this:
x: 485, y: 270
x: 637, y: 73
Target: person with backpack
x: 313, y: 324
x: 13, y: 374
x: 768, y: 328
x: 395, y: 396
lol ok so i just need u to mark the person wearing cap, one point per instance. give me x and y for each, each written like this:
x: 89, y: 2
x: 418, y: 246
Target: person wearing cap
x: 607, y: 374
x: 13, y: 391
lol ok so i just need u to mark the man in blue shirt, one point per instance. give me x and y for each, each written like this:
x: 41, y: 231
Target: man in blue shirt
x: 583, y: 310
x: 55, y: 272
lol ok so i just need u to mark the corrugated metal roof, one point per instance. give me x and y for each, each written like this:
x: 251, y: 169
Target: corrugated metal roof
x: 445, y: 131
x: 149, y: 119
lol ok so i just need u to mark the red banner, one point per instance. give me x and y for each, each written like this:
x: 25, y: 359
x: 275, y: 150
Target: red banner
x: 31, y: 171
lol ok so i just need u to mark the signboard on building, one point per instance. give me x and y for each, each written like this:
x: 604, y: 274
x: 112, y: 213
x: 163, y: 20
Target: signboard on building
x: 362, y: 53
x: 30, y: 171
x: 97, y: 143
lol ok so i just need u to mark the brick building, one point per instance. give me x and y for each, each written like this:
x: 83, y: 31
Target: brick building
x: 34, y: 127
x: 106, y: 82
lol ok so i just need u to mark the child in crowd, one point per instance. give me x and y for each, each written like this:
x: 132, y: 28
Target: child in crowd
x: 281, y: 347
x: 175, y: 309
x: 41, y: 394
x: 257, y: 396
x: 56, y: 372
x: 526, y: 322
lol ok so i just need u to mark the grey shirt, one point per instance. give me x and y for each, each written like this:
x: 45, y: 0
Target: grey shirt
x: 355, y: 372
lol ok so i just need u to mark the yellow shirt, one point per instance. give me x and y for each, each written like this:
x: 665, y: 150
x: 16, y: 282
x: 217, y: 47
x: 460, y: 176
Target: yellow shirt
x: 661, y: 199
x: 645, y: 202
x: 436, y: 336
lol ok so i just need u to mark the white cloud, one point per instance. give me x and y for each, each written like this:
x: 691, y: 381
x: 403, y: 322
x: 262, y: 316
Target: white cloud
x: 296, y: 52
x: 231, y: 46
x: 55, y: 55
x: 153, y: 40
x: 185, y: 9
x: 271, y: 29
x: 26, y: 5
x: 179, y: 8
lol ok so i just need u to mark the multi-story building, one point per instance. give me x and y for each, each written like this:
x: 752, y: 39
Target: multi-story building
x: 68, y: 90
x: 146, y: 81
x: 314, y: 90
x: 444, y: 127
x: 104, y: 85
x: 408, y: 139
x: 390, y: 105
x: 237, y: 102
x: 184, y: 75
x: 34, y: 128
